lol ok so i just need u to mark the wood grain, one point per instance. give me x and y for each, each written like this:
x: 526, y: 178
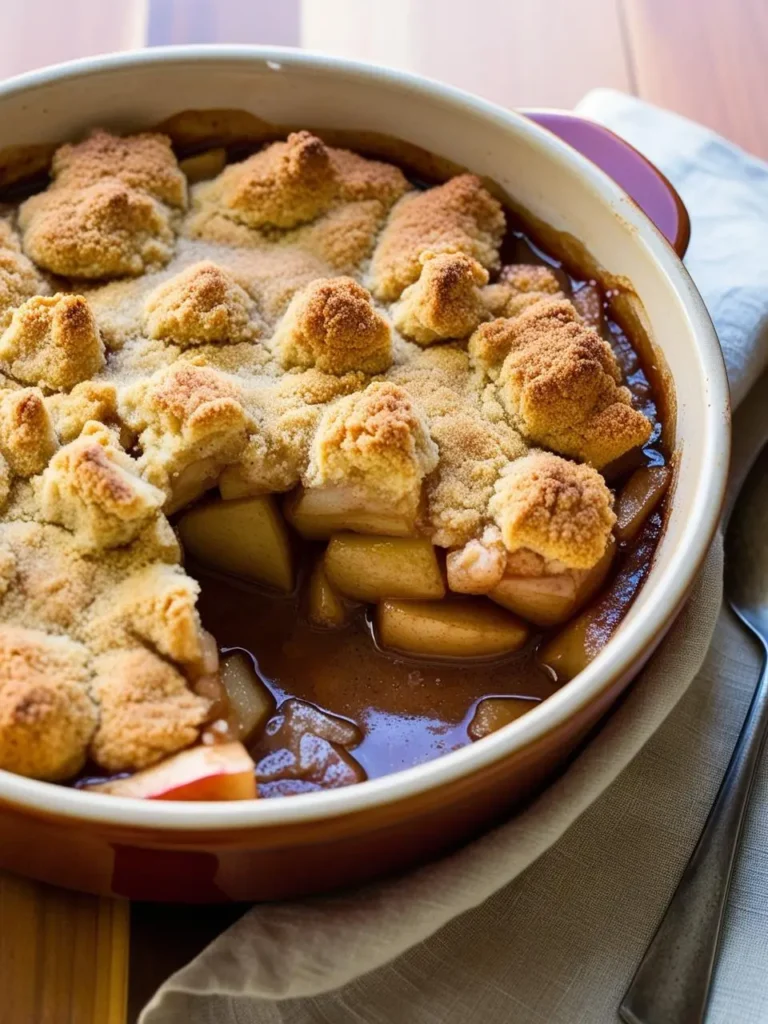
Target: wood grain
x: 705, y: 59
x: 63, y: 956
x: 518, y: 54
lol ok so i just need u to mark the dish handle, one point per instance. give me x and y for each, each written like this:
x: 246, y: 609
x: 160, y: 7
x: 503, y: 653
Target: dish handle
x: 640, y: 179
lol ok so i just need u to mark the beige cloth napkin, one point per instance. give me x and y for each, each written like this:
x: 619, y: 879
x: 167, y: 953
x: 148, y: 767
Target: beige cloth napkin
x: 544, y: 920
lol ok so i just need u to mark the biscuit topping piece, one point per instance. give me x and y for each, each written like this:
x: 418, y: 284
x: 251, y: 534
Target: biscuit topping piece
x: 27, y: 436
x: 561, y: 384
x: 191, y: 422
x: 19, y: 279
x: 492, y: 342
x: 147, y: 710
x: 107, y: 212
x: 375, y: 443
x: 459, y: 216
x: 90, y: 400
x: 286, y: 184
x: 554, y: 508
x: 332, y: 325
x: 104, y: 230
x: 94, y: 489
x: 202, y: 304
x: 144, y: 162
x: 445, y: 302
x: 360, y: 179
x: 53, y: 342
x: 47, y: 716
x: 156, y: 605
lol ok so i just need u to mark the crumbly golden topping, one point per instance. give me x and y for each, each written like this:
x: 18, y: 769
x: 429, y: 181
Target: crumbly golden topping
x: 95, y: 490
x: 294, y: 182
x: 473, y: 447
x: 521, y: 286
x: 492, y: 342
x: 144, y: 162
x: 236, y: 344
x: 147, y: 710
x: 560, y: 383
x: 182, y: 416
x: 47, y: 716
x: 555, y: 508
x: 445, y: 302
x: 201, y: 304
x: 104, y: 230
x: 459, y: 216
x: 53, y: 342
x: 332, y: 325
x: 286, y: 184
x: 526, y: 278
x: 27, y: 436
x: 19, y: 279
x: 107, y: 212
x: 377, y: 442
x: 90, y: 400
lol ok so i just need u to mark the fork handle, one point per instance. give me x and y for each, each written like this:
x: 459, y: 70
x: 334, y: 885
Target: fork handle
x: 671, y: 985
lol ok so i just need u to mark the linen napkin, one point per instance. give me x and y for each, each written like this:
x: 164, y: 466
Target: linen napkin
x: 544, y: 920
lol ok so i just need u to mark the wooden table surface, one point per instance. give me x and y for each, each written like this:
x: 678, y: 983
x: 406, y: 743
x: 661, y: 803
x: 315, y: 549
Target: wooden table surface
x: 63, y: 957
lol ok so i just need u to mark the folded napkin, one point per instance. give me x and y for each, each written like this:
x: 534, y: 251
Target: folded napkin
x: 544, y: 919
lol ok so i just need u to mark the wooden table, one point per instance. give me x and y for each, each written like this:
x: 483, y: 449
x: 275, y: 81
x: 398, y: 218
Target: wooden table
x: 64, y: 957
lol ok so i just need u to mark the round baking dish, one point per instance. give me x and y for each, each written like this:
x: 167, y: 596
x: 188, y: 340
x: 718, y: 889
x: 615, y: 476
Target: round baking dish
x: 271, y: 849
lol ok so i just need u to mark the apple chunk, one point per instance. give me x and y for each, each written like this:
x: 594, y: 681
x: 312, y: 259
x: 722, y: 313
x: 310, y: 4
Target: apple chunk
x: 371, y: 569
x: 552, y: 600
x: 318, y: 513
x: 223, y: 772
x: 203, y: 166
x: 246, y: 537
x: 493, y: 713
x: 638, y: 498
x: 471, y: 628
x: 326, y: 606
x: 250, y: 702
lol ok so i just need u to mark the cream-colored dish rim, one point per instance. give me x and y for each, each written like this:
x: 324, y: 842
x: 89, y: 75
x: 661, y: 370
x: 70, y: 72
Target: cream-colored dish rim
x: 670, y: 582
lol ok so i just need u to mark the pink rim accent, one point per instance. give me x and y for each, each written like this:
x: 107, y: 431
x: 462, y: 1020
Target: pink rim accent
x: 639, y: 178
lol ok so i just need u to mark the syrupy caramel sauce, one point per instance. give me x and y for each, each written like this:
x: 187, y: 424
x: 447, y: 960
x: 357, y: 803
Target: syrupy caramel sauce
x: 409, y: 710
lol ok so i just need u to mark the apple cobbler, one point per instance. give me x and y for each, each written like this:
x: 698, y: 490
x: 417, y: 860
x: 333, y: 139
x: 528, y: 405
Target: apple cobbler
x: 309, y: 471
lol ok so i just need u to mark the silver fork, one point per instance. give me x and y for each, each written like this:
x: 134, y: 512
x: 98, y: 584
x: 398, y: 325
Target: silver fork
x: 672, y: 983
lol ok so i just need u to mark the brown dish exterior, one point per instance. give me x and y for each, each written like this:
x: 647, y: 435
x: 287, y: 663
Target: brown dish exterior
x: 328, y: 676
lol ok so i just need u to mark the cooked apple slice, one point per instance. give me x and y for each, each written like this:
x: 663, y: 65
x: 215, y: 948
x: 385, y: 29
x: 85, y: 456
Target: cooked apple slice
x: 638, y: 498
x: 193, y: 482
x: 570, y: 650
x: 471, y: 628
x: 326, y: 606
x: 552, y: 600
x: 371, y: 569
x: 246, y: 537
x: 203, y: 166
x: 493, y: 713
x: 223, y: 772
x: 250, y: 702
x: 235, y: 483
x: 317, y: 513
